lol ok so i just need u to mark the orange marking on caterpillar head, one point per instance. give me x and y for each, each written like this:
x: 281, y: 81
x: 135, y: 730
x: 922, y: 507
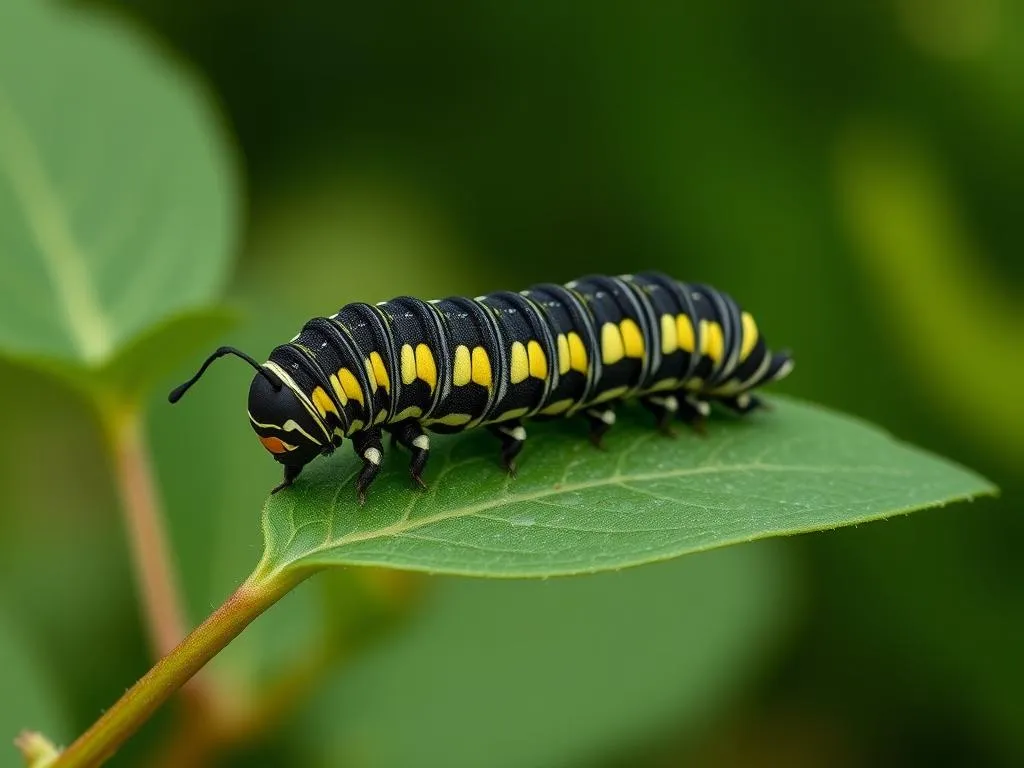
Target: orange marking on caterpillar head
x: 276, y: 444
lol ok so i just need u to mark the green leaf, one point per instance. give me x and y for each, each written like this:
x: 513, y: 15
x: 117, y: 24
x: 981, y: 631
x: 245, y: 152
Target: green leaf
x: 558, y: 672
x: 149, y: 357
x: 574, y: 509
x: 144, y: 360
x: 117, y: 200
x: 31, y: 699
x: 913, y: 243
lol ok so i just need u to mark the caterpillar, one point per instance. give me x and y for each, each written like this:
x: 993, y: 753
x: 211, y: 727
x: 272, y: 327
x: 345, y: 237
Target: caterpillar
x: 406, y: 365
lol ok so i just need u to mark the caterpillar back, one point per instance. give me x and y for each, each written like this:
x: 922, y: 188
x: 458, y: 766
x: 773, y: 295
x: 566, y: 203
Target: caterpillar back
x: 406, y: 365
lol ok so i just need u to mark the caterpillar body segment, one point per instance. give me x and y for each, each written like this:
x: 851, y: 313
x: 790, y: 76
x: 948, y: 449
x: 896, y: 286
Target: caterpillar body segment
x: 408, y: 366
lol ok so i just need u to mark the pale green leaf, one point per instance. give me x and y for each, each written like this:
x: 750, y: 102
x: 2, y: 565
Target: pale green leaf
x: 563, y: 672
x: 117, y: 200
x: 144, y: 360
x: 574, y: 509
x: 149, y: 357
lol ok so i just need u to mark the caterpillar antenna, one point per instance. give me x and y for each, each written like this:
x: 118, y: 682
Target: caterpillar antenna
x: 181, y: 389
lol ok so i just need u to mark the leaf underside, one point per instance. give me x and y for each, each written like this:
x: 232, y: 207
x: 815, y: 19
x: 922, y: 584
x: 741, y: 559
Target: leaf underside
x: 117, y: 199
x: 574, y: 509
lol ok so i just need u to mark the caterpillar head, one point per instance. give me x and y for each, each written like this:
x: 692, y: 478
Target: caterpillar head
x: 281, y: 421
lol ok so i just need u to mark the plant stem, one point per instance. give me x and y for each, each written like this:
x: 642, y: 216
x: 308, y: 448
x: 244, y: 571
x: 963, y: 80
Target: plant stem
x: 107, y: 734
x: 204, y: 734
x: 154, y: 571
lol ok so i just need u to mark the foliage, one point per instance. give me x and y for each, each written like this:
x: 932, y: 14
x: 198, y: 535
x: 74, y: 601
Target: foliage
x: 118, y: 212
x: 907, y: 231
x: 576, y: 510
x: 37, y: 703
x: 610, y: 660
x: 115, y: 220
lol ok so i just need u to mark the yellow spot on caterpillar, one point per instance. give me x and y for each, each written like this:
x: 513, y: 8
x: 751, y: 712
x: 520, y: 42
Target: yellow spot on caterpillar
x: 684, y: 333
x: 462, y: 371
x: 713, y: 342
x: 276, y: 445
x: 412, y: 412
x: 557, y: 407
x: 338, y: 391
x: 381, y: 416
x: 610, y: 394
x: 669, y: 338
x: 355, y: 426
x: 452, y: 419
x: 611, y: 344
x: 749, y: 336
x: 632, y: 339
x: 730, y: 387
x: 481, y: 365
x: 519, y: 363
x: 323, y: 403
x: 563, y: 355
x: 515, y: 413
x: 408, y: 364
x: 538, y: 360
x: 380, y: 373
x: 425, y: 368
x: 350, y: 385
x: 664, y: 384
x: 577, y: 353
x: 369, y: 375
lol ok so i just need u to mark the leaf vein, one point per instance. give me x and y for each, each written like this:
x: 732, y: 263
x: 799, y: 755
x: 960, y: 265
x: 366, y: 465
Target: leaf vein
x: 63, y: 257
x: 404, y: 526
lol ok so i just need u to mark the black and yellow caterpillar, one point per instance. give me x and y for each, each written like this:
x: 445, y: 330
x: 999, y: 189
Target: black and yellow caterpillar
x: 457, y: 363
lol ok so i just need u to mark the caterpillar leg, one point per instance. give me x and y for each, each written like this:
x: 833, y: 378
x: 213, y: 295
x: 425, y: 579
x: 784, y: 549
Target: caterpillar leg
x: 694, y: 412
x: 512, y: 435
x: 410, y: 435
x: 370, y: 449
x: 743, y: 404
x: 664, y: 408
x: 600, y: 420
x: 290, y: 473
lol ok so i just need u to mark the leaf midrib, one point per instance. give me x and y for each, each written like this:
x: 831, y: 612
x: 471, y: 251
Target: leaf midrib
x: 406, y: 525
x: 64, y: 259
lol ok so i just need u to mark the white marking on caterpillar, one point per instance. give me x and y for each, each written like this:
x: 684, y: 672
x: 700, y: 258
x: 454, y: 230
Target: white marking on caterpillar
x: 784, y: 371
x: 516, y: 433
x: 372, y: 455
x: 284, y: 376
x: 289, y: 426
x: 700, y: 406
x: 669, y: 402
x: 422, y: 442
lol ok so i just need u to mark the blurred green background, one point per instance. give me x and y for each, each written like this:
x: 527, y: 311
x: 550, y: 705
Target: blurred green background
x: 852, y: 172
